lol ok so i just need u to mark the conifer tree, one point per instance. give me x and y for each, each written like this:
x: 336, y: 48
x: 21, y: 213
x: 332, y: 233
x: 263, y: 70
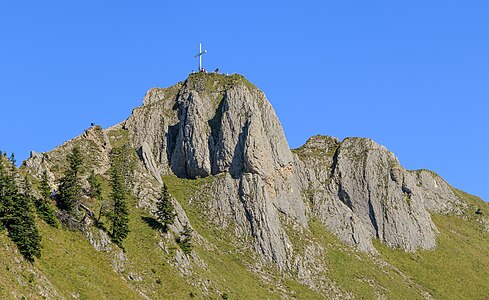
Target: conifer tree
x: 43, y: 205
x: 16, y: 213
x: 185, y: 240
x: 70, y: 188
x: 120, y: 215
x: 95, y: 186
x: 96, y: 192
x: 165, y: 210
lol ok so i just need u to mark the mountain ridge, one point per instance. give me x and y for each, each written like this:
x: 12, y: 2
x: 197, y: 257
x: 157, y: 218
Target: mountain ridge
x: 220, y: 131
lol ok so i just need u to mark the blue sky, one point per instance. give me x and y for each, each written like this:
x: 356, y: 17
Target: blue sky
x: 412, y: 75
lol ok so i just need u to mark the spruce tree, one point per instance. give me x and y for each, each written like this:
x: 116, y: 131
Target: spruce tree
x: 120, y: 215
x: 70, y: 188
x: 16, y: 213
x: 96, y: 192
x: 44, y: 187
x: 95, y: 186
x: 185, y: 240
x: 165, y: 210
x: 43, y: 205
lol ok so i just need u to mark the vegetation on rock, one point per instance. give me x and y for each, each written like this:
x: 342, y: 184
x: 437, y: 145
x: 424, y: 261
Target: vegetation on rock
x: 185, y: 240
x: 43, y: 204
x: 70, y: 190
x: 165, y: 210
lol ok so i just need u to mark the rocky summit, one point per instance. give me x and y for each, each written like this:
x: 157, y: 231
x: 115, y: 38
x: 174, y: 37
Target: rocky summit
x: 330, y: 220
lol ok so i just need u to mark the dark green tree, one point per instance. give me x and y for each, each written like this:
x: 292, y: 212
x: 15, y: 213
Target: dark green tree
x: 165, y: 210
x: 96, y: 192
x: 44, y: 187
x: 43, y: 205
x: 185, y: 240
x: 95, y: 186
x: 16, y: 213
x: 75, y: 160
x: 70, y: 188
x: 120, y: 216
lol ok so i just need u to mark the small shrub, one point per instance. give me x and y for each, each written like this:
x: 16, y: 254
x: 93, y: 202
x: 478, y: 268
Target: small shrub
x: 185, y: 240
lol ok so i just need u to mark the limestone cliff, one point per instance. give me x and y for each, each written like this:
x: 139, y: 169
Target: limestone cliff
x: 224, y: 127
x: 212, y: 124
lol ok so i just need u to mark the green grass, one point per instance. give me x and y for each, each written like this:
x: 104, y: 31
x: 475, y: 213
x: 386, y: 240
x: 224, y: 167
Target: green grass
x: 226, y: 262
x: 118, y: 137
x: 357, y: 272
x: 74, y: 267
x: 457, y: 269
x: 14, y: 272
x: 148, y: 260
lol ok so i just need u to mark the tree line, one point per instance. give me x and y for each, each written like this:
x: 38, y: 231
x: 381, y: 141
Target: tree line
x: 19, y: 206
x: 16, y: 211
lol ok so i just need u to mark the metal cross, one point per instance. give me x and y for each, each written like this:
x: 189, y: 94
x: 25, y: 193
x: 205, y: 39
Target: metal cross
x: 200, y: 56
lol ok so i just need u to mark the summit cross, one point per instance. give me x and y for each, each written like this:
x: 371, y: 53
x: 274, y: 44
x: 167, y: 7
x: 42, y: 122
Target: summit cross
x: 200, y: 56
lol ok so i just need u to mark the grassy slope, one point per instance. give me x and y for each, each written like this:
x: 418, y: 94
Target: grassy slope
x: 358, y: 273
x: 15, y: 273
x: 69, y: 262
x: 146, y: 259
x: 226, y: 265
x: 457, y: 269
x: 75, y: 268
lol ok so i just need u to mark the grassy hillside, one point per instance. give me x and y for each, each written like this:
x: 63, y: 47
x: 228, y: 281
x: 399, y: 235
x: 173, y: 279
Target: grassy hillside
x: 70, y: 267
x: 459, y: 266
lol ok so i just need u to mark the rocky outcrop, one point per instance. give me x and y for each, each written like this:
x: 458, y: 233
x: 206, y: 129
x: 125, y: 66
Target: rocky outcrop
x: 213, y: 124
x: 359, y: 190
x: 388, y: 206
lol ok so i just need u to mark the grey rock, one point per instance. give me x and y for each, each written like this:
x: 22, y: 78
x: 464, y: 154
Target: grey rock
x: 359, y: 190
x: 191, y: 157
x: 436, y: 194
x: 147, y: 157
x: 99, y: 239
x: 363, y: 181
x: 314, y: 166
x: 356, y: 188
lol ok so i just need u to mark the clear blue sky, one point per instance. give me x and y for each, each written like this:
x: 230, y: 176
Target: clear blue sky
x: 412, y: 75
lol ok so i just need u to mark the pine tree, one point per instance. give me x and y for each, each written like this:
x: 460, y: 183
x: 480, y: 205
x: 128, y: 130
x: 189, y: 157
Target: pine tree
x: 16, y: 213
x: 43, y: 205
x: 165, y: 210
x: 120, y: 215
x: 70, y: 188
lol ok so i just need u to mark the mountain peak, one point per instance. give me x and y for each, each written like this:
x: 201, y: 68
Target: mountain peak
x: 214, y: 123
x: 216, y: 141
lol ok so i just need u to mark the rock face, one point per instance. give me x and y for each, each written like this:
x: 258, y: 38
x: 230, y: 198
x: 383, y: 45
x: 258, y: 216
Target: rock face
x: 359, y: 190
x: 223, y: 126
x: 212, y: 124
